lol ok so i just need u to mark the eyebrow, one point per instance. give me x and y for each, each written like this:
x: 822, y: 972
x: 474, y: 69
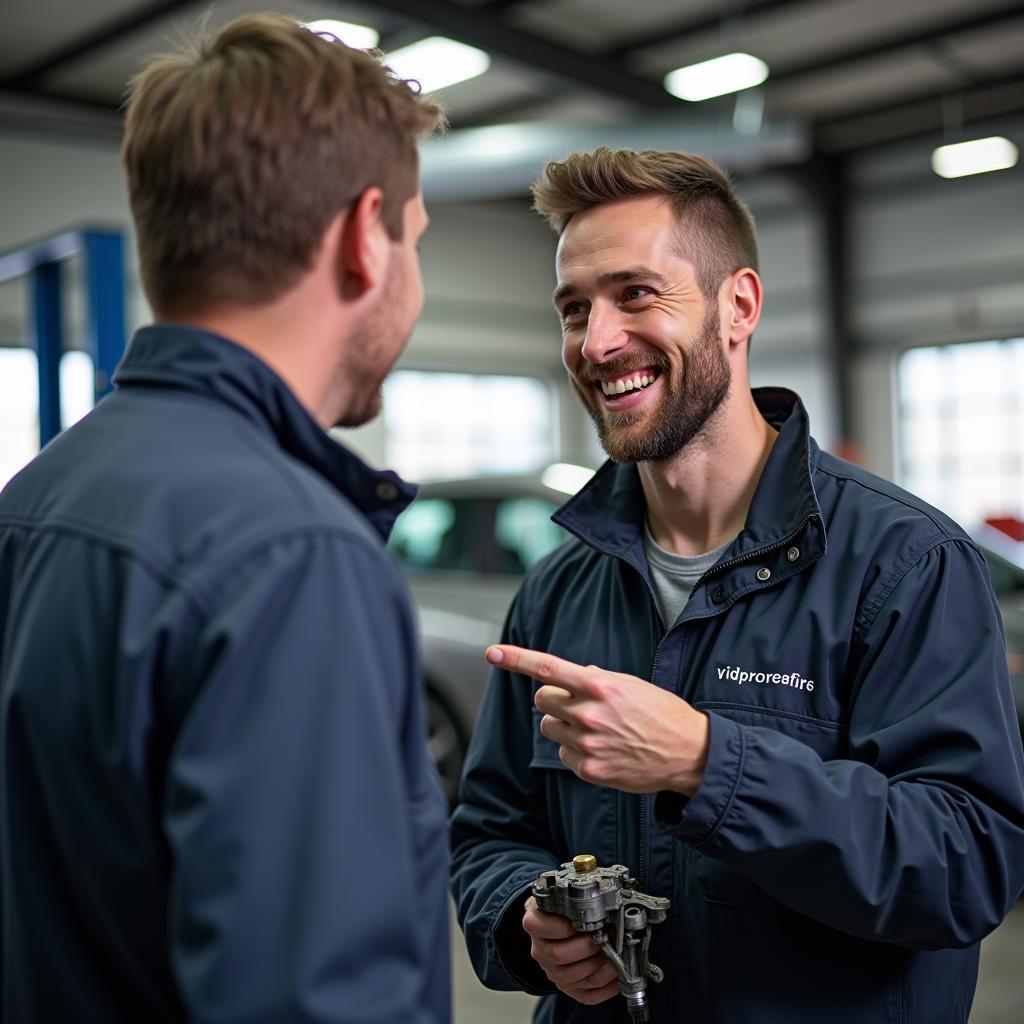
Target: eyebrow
x: 613, y: 277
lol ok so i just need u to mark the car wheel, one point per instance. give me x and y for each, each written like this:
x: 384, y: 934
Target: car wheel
x: 446, y: 742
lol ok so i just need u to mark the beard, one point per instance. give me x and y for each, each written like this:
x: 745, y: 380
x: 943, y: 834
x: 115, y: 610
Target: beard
x: 373, y: 351
x: 684, y: 410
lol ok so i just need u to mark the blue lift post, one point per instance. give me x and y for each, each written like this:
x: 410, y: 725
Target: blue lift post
x: 105, y: 309
x: 104, y: 269
x: 48, y: 328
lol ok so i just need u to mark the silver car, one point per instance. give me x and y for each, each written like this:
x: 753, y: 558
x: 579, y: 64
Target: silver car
x: 465, y: 545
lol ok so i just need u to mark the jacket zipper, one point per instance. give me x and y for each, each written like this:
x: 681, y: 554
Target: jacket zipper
x: 642, y: 850
x: 750, y: 556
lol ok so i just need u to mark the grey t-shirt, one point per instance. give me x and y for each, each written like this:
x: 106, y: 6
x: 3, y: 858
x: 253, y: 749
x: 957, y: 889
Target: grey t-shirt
x: 674, y: 576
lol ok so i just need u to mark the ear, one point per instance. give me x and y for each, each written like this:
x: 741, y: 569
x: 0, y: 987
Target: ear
x: 742, y: 295
x: 361, y: 246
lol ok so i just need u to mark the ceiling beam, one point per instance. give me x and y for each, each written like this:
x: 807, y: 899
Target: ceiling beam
x: 102, y: 35
x: 486, y: 30
x: 920, y: 113
x: 890, y: 43
x: 670, y: 33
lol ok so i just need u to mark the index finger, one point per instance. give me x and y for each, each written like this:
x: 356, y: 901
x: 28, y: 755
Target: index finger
x: 545, y: 668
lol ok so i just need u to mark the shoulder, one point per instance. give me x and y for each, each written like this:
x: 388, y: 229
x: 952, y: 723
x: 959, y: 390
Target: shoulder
x: 187, y: 493
x: 880, y: 535
x: 866, y: 506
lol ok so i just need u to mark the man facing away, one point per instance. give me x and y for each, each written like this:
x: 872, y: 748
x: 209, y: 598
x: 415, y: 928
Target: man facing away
x: 217, y: 804
x: 795, y: 720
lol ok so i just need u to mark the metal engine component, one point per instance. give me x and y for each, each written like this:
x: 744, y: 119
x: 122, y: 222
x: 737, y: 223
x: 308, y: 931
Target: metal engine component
x: 604, y: 902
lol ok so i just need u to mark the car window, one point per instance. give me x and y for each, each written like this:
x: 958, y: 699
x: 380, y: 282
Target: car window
x: 430, y: 534
x: 524, y: 533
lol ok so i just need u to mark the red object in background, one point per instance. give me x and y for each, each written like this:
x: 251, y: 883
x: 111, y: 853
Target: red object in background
x: 1011, y: 526
x: 848, y: 450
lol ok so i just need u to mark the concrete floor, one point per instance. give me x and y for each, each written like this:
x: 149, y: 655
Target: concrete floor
x: 999, y: 998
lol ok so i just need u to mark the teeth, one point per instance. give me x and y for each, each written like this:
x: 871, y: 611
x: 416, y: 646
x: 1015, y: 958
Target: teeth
x: 621, y: 386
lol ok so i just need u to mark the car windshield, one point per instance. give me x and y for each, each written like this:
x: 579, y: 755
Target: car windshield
x: 505, y: 535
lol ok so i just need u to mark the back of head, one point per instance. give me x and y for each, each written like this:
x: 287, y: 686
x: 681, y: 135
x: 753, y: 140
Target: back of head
x: 716, y: 229
x: 241, y: 149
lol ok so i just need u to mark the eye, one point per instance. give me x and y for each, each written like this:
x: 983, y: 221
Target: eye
x: 573, y: 309
x: 635, y: 292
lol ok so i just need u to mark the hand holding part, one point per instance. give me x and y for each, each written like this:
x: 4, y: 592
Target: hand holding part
x: 570, y: 960
x: 602, y: 902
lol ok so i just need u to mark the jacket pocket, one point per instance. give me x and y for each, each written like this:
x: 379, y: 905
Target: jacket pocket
x: 719, y: 883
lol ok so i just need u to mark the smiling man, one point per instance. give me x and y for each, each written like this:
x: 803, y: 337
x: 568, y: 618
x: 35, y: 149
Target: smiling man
x: 771, y: 684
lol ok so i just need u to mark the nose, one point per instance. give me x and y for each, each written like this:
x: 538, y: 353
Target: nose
x: 605, y: 336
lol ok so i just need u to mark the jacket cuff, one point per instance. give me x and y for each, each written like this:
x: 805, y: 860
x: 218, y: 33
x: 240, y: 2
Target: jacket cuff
x: 696, y: 819
x: 510, y: 945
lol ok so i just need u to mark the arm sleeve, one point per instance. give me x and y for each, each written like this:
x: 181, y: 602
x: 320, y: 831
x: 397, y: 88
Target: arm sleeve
x: 918, y: 838
x: 500, y: 839
x: 306, y: 837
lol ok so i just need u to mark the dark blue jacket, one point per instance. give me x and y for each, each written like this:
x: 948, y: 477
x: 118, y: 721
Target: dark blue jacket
x: 860, y: 823
x: 216, y: 802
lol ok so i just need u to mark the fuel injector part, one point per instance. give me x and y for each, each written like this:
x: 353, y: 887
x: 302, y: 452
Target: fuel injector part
x: 604, y: 903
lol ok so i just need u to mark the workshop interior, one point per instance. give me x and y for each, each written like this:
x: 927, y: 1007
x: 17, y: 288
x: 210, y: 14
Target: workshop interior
x: 877, y: 145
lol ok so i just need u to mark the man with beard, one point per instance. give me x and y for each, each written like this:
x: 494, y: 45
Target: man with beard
x: 217, y: 800
x: 771, y: 684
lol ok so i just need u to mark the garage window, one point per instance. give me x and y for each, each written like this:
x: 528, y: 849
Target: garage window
x: 961, y: 421
x: 449, y: 425
x: 19, y: 410
x: 19, y: 402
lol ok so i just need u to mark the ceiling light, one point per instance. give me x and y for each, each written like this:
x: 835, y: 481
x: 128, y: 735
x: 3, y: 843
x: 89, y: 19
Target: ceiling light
x: 359, y: 37
x: 975, y: 157
x: 565, y: 477
x: 731, y: 73
x: 438, y: 62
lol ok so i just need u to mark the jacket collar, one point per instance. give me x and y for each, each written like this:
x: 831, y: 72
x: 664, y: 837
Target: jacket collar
x: 608, y: 513
x: 190, y: 359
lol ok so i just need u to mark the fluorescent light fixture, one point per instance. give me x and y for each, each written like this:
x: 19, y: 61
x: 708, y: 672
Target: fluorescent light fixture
x: 438, y: 62
x: 565, y: 477
x: 975, y: 157
x: 731, y: 73
x: 359, y: 37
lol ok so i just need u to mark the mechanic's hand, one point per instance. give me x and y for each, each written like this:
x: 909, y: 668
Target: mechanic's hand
x: 569, y: 959
x: 614, y: 729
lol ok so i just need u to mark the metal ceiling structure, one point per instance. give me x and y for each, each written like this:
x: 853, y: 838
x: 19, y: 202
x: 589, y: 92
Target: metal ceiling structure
x: 856, y: 72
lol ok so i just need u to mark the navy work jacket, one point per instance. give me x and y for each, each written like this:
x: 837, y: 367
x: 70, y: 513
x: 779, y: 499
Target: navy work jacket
x: 860, y: 822
x: 216, y: 801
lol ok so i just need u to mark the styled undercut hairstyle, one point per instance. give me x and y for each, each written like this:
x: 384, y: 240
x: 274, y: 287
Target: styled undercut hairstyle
x: 242, y: 148
x: 716, y: 229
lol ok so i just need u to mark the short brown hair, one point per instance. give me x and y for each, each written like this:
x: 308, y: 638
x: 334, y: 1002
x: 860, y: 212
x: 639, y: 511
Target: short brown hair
x: 241, y: 149
x: 724, y: 239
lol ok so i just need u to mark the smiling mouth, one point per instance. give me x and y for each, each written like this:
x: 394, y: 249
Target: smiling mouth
x: 615, y: 388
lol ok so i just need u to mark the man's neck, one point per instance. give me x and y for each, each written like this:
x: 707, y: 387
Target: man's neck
x: 284, y: 337
x: 699, y: 499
